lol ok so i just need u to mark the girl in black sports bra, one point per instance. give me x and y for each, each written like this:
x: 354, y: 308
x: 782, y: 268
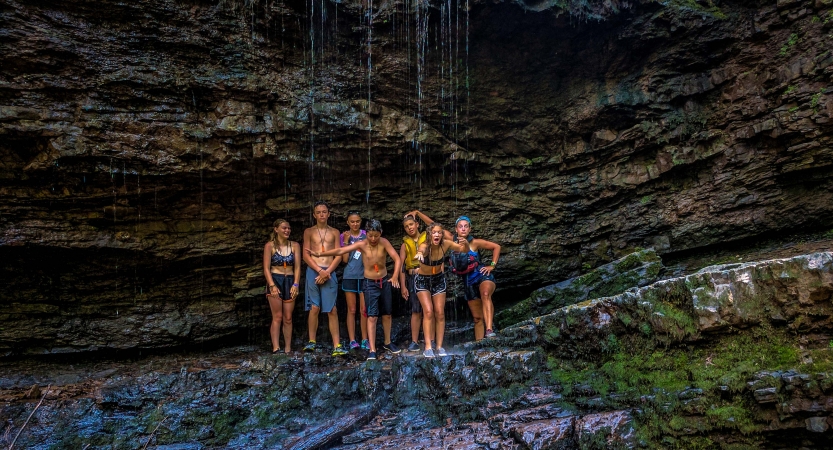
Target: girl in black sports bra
x: 282, y: 275
x: 430, y: 287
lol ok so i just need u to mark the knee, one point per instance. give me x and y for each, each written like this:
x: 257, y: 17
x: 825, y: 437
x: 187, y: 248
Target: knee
x: 351, y: 309
x: 439, y: 316
x: 287, y: 320
x: 477, y: 319
x: 427, y: 314
x: 277, y: 317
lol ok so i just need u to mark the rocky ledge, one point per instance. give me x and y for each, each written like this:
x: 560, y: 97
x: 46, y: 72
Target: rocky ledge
x: 732, y: 356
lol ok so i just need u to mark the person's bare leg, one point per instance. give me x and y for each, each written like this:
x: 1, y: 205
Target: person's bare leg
x: 332, y: 317
x: 350, y: 297
x: 287, y: 324
x: 277, y: 317
x: 427, y: 318
x: 386, y: 324
x: 312, y: 322
x: 476, y: 307
x: 363, y: 316
x: 487, y: 288
x: 439, y: 318
x: 371, y: 335
x: 416, y: 318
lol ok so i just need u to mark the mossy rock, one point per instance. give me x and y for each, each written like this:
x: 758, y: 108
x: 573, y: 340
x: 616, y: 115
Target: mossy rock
x: 634, y: 270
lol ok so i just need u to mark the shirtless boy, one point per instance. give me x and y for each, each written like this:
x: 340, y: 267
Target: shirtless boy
x: 377, y: 296
x: 321, y: 284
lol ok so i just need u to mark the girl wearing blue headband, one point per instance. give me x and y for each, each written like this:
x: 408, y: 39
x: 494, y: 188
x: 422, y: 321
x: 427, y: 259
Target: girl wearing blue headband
x: 479, y: 281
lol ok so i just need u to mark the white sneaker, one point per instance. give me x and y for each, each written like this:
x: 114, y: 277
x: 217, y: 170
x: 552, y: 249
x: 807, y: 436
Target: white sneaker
x: 441, y: 352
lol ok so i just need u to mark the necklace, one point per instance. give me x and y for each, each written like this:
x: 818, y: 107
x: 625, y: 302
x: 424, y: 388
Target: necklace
x: 326, y: 233
x: 373, y: 256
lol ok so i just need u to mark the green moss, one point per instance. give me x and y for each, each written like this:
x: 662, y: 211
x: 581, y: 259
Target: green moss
x: 732, y: 416
x: 692, y: 5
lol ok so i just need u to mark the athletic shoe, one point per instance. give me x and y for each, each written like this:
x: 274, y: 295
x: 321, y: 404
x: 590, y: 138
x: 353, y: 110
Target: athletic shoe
x: 428, y: 353
x: 365, y: 344
x: 414, y: 347
x: 371, y: 356
x: 441, y: 352
x: 392, y: 348
x: 310, y: 347
x: 354, y: 345
x: 490, y: 333
x: 339, y: 351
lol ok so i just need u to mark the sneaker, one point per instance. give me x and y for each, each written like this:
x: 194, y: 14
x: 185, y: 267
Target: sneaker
x: 490, y: 333
x: 428, y: 353
x: 392, y: 348
x: 414, y: 347
x: 371, y: 356
x: 310, y: 347
x: 365, y: 344
x: 354, y: 345
x: 339, y: 351
x: 441, y: 352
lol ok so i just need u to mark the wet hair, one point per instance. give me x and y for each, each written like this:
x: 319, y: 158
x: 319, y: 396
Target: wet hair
x: 373, y: 225
x: 435, y: 224
x: 319, y: 203
x: 274, y: 236
x: 409, y: 217
x: 466, y: 218
x: 353, y: 212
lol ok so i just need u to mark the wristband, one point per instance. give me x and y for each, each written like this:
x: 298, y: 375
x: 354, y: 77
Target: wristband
x: 294, y: 284
x: 494, y: 263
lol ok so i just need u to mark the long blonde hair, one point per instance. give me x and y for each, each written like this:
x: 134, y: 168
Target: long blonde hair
x: 273, y: 238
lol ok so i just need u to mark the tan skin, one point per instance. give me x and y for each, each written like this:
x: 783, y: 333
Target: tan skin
x: 433, y: 307
x: 375, y: 250
x: 321, y: 236
x: 354, y: 221
x: 482, y: 309
x: 412, y: 230
x: 281, y: 310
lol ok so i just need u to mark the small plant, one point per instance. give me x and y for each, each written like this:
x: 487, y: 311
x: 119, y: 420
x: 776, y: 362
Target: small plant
x: 789, y: 89
x: 793, y: 39
x: 793, y: 109
x: 815, y: 99
x: 815, y: 19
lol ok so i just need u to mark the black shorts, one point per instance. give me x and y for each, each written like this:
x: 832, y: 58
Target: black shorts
x: 435, y: 284
x: 356, y: 286
x: 284, y: 284
x: 416, y: 306
x: 473, y: 290
x: 377, y: 297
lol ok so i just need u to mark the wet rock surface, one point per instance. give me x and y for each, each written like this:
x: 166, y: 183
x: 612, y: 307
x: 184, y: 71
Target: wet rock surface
x: 641, y: 369
x: 147, y: 146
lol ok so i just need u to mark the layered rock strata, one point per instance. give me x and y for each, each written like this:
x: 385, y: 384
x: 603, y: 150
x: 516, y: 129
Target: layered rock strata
x: 146, y: 147
x: 731, y: 356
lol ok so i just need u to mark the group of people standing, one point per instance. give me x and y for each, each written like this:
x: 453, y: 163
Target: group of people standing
x: 419, y: 271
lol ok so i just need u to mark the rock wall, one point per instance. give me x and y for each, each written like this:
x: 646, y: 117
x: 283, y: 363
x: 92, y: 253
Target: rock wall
x: 146, y: 147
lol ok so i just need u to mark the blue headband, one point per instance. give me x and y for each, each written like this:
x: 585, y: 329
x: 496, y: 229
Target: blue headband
x: 463, y: 218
